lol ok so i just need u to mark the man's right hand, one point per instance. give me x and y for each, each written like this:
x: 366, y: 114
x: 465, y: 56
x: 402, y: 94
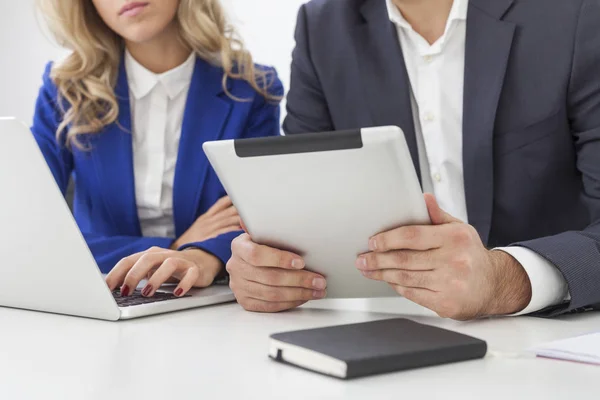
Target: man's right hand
x: 265, y: 279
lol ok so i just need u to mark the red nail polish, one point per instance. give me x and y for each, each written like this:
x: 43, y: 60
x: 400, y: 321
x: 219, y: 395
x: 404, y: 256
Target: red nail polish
x: 178, y: 292
x: 147, y: 290
x: 124, y: 291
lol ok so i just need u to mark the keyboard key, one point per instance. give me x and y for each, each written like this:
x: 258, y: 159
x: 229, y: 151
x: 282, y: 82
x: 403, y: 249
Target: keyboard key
x: 136, y: 298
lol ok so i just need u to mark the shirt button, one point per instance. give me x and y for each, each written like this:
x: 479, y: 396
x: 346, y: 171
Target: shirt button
x: 428, y: 59
x: 429, y: 117
x: 437, y: 177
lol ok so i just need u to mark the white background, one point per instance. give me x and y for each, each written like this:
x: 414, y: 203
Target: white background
x: 267, y: 27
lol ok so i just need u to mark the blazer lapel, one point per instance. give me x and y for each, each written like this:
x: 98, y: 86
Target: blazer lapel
x: 383, y: 73
x: 112, y: 154
x: 488, y: 45
x: 204, y: 119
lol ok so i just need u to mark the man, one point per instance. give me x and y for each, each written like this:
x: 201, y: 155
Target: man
x: 499, y: 101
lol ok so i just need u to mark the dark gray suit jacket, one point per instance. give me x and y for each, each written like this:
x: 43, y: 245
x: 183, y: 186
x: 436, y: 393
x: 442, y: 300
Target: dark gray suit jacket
x: 531, y: 137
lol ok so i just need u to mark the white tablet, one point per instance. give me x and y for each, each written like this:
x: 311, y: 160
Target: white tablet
x: 322, y: 196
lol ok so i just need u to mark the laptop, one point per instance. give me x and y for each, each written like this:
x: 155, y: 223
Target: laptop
x: 46, y: 263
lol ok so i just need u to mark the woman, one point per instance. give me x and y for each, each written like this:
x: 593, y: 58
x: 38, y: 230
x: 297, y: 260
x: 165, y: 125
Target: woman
x: 126, y: 114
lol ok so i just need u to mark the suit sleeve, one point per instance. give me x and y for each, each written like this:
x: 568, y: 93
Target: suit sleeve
x: 577, y: 254
x: 263, y: 121
x: 307, y: 109
x: 107, y: 251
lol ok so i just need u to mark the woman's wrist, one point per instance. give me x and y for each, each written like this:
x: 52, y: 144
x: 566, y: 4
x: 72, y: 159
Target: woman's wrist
x: 206, y: 261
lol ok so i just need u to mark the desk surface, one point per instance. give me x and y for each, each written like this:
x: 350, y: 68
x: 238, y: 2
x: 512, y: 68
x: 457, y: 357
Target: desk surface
x: 221, y: 352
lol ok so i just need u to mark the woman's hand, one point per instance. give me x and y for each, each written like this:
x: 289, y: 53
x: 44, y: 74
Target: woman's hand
x: 221, y: 218
x: 192, y: 268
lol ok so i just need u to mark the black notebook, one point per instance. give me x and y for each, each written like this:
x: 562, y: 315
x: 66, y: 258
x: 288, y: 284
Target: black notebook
x: 351, y: 351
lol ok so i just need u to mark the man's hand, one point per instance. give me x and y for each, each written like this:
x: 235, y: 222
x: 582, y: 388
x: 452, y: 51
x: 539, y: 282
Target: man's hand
x: 446, y: 268
x: 264, y: 279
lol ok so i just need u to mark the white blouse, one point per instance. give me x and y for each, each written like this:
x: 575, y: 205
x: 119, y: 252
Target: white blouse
x: 157, y: 106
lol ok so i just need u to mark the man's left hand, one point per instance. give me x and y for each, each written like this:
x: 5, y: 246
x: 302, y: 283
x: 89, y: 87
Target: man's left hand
x: 446, y: 268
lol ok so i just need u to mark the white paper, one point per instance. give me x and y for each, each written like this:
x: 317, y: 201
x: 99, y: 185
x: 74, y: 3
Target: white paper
x: 585, y: 349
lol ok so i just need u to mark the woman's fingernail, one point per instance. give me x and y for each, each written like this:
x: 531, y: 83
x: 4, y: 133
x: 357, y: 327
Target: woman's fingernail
x: 319, y: 283
x: 178, y: 292
x: 319, y: 294
x: 297, y: 263
x: 124, y: 291
x: 147, y: 290
x: 373, y: 244
x: 367, y: 274
x: 361, y: 263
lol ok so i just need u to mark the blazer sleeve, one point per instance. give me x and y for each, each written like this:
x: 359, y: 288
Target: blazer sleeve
x: 263, y: 121
x: 307, y: 109
x: 107, y: 251
x: 577, y: 254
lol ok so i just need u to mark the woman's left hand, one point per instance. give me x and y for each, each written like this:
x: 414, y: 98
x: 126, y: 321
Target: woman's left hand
x: 192, y: 268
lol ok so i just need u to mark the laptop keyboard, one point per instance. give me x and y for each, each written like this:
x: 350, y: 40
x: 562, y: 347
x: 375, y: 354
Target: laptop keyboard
x: 136, y: 298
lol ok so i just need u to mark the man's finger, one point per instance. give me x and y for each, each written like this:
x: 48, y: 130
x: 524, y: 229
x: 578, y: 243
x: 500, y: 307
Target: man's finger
x: 260, y: 306
x: 413, y: 237
x: 436, y: 214
x: 263, y: 256
x: 400, y: 259
x: 422, y: 297
x: 410, y: 279
x: 281, y: 277
x: 274, y: 294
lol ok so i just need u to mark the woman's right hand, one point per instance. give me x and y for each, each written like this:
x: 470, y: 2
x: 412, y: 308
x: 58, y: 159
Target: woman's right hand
x: 221, y: 218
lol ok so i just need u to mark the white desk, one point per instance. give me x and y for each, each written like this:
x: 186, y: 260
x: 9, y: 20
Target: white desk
x: 221, y: 353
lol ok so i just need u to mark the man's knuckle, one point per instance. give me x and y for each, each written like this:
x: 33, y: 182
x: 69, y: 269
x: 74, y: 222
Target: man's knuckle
x: 460, y: 264
x: 401, y: 258
x: 233, y: 285
x: 273, y: 295
x: 235, y: 244
x: 271, y: 278
x: 230, y: 266
x: 253, y: 255
x: 462, y: 235
x: 411, y: 233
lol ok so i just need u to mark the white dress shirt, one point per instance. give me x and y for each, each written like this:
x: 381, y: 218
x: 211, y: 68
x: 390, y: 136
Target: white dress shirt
x: 157, y: 107
x: 436, y: 74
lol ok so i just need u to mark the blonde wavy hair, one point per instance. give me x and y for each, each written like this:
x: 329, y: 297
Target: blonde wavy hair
x: 86, y: 79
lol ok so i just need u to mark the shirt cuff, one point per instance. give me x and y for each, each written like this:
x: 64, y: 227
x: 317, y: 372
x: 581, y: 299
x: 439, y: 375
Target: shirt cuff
x: 548, y: 285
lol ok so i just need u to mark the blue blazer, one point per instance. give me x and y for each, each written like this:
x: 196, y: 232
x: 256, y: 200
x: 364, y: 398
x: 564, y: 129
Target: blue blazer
x: 104, y: 204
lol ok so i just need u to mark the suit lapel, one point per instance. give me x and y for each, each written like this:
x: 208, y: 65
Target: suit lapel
x: 204, y: 119
x: 488, y: 45
x: 383, y: 73
x: 112, y: 154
